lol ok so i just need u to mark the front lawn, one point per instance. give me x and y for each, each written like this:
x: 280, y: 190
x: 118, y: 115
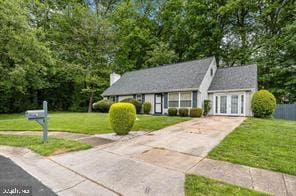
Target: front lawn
x: 263, y: 143
x: 198, y: 185
x: 53, y: 146
x: 89, y: 123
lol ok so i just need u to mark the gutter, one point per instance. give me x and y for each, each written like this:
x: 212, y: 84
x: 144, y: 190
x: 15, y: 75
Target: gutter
x: 152, y: 92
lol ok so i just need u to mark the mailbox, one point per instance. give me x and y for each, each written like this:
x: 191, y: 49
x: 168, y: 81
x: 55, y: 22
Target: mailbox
x: 35, y: 114
x: 40, y: 116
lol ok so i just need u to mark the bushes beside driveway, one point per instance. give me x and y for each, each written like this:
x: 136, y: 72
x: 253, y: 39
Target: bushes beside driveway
x: 263, y: 104
x: 172, y: 111
x: 122, y: 117
x: 184, y: 112
x: 195, y: 112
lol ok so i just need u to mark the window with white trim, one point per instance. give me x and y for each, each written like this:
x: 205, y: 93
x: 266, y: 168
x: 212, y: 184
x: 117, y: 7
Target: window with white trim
x: 174, y: 100
x: 185, y: 99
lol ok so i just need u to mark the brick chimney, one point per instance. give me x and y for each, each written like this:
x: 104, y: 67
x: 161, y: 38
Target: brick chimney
x: 114, y: 77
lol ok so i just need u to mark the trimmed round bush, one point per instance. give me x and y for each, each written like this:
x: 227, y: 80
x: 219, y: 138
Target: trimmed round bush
x: 263, y: 104
x: 122, y: 117
x: 172, y: 111
x: 183, y: 112
x: 147, y: 107
x: 102, y: 106
x: 195, y: 112
x: 135, y: 102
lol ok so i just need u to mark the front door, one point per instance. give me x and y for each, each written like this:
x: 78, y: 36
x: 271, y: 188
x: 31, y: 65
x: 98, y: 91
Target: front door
x: 232, y: 104
x: 158, y: 104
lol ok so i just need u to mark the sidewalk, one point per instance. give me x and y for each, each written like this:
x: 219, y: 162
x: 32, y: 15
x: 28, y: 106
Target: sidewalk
x: 253, y: 178
x: 258, y: 179
x: 59, y: 179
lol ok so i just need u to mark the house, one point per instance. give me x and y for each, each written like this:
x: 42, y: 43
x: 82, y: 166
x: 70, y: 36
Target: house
x: 187, y: 85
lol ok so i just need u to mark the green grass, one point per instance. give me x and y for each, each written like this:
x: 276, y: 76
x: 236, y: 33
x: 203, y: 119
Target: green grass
x: 198, y: 185
x: 263, y: 143
x: 89, y: 123
x: 53, y: 146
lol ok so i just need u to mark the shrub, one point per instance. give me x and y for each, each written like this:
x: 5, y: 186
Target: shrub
x: 122, y: 117
x: 147, y: 107
x: 102, y: 106
x: 195, y: 112
x: 135, y: 102
x: 263, y: 104
x: 183, y: 112
x: 172, y: 111
x: 207, y: 107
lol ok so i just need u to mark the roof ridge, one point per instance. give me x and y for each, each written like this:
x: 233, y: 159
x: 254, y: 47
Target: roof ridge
x: 238, y: 66
x: 166, y: 65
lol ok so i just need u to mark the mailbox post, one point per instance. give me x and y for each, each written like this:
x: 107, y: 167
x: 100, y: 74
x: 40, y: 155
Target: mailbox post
x: 41, y: 117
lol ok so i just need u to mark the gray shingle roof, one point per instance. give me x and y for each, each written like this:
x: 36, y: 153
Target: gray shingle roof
x: 239, y: 77
x: 186, y: 75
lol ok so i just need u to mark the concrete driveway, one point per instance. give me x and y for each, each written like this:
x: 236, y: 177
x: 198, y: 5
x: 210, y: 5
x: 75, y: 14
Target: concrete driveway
x: 152, y: 164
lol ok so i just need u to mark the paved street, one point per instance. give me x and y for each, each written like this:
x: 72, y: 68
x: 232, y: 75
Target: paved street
x: 12, y: 176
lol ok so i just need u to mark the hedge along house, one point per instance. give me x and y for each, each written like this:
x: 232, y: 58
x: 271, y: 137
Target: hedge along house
x: 187, y: 85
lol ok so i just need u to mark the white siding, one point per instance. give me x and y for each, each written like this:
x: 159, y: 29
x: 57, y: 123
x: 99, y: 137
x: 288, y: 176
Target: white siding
x: 205, y: 84
x: 211, y: 98
x: 248, y: 103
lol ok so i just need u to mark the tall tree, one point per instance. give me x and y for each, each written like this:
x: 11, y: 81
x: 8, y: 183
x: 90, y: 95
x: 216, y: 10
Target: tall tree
x: 136, y: 35
x: 25, y: 61
x: 78, y: 36
x: 276, y: 64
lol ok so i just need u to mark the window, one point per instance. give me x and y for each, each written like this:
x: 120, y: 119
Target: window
x: 113, y: 98
x: 139, y: 98
x: 223, y: 104
x: 242, y: 104
x: 211, y: 72
x: 174, y: 100
x: 185, y: 99
x: 234, y: 104
x: 216, y: 104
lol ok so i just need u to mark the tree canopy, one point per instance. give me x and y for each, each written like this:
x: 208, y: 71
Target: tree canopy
x: 64, y: 51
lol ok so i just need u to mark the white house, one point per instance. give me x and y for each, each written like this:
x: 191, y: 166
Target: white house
x: 187, y: 85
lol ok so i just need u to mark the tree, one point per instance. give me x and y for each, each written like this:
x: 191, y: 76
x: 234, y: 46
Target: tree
x: 25, y: 61
x: 78, y: 36
x: 275, y: 56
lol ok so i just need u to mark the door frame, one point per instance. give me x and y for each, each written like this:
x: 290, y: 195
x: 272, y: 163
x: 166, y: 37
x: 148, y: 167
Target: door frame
x: 228, y: 104
x: 161, y: 103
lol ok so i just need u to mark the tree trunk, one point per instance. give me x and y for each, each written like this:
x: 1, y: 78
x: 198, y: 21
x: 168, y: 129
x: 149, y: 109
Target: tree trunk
x: 90, y: 102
